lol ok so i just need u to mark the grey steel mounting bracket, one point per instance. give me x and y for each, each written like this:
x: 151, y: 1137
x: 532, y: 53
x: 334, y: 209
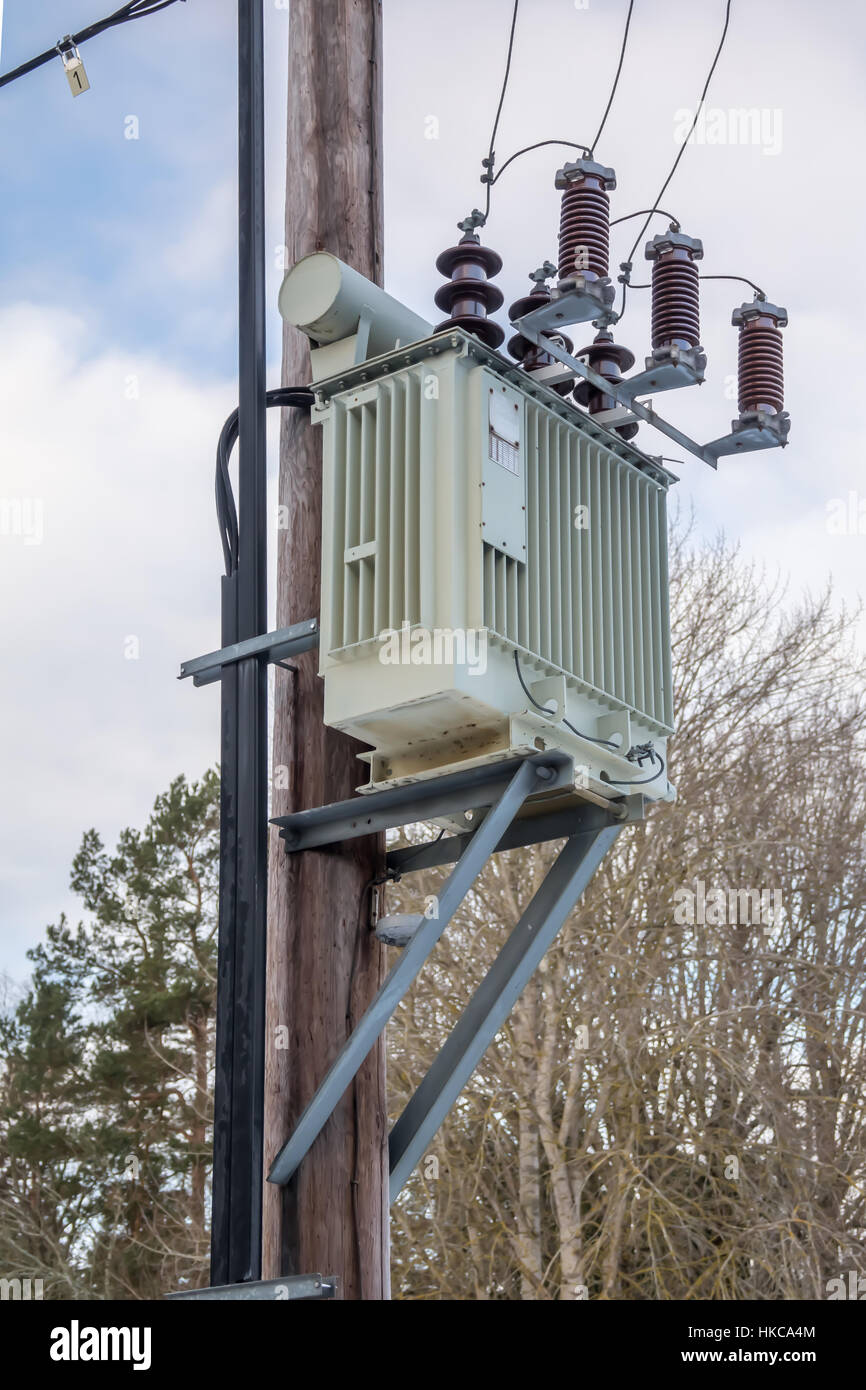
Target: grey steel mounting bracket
x: 754, y: 431
x: 667, y: 370
x: 526, y: 829
x: 294, y: 1286
x: 493, y: 1000
x: 577, y: 300
x: 374, y: 812
x: 276, y: 646
x: 511, y: 791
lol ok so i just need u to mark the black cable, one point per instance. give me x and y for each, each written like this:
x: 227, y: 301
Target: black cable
x: 527, y: 149
x: 683, y: 148
x: 742, y: 279
x: 698, y: 110
x: 394, y: 875
x: 651, y: 211
x: 615, y: 81
x: 605, y: 742
x: 135, y: 9
x: 637, y: 781
x: 297, y: 396
x: 491, y: 154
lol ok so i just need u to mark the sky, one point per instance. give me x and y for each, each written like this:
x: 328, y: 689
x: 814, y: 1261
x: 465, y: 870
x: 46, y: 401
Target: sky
x: 118, y: 328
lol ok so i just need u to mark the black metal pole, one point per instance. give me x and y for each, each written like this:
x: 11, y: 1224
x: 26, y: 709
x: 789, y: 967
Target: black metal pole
x: 236, y: 1240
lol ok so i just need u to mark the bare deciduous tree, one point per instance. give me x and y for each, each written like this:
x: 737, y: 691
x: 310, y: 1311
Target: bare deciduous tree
x: 675, y: 1108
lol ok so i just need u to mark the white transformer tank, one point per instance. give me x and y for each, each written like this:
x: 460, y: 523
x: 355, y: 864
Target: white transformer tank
x: 471, y: 515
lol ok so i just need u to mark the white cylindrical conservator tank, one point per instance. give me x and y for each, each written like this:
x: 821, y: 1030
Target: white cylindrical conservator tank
x: 327, y: 300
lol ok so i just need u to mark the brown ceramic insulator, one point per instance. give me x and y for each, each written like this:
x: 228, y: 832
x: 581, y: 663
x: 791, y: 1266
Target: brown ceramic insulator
x: 676, y: 313
x: 468, y: 297
x: 676, y: 310
x: 584, y: 230
x: 761, y: 377
x: 530, y: 356
x: 609, y: 360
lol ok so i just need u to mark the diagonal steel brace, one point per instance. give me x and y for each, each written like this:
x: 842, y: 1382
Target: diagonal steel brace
x: 528, y: 778
x: 494, y: 999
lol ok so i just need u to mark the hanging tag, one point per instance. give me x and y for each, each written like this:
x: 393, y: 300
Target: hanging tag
x: 74, y: 68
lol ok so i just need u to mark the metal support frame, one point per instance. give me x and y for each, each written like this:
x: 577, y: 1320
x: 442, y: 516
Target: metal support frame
x: 236, y: 1234
x: 505, y: 789
x: 767, y: 432
x: 661, y: 376
x: 276, y: 646
x: 531, y: 830
x: 494, y: 999
x: 425, y: 800
x: 301, y: 1287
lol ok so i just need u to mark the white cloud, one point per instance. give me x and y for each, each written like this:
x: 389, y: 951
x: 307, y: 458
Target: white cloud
x: 130, y: 549
x: 206, y: 249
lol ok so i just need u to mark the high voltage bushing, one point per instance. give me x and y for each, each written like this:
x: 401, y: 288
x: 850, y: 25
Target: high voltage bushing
x: 610, y: 360
x: 532, y: 358
x: 676, y: 314
x: 468, y: 297
x: 761, y: 377
x: 584, y: 229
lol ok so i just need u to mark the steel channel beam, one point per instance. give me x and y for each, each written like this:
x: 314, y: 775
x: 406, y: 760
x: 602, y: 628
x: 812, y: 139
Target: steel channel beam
x: 611, y: 389
x: 236, y: 1239
x: 294, y: 1286
x: 355, y: 1049
x: 667, y: 376
x: 526, y: 830
x: 221, y: 1207
x: 288, y: 641
x: 747, y: 441
x: 440, y: 796
x: 494, y: 999
x: 572, y: 307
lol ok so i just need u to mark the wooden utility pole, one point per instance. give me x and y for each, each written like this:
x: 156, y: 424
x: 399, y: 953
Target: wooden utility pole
x: 324, y: 964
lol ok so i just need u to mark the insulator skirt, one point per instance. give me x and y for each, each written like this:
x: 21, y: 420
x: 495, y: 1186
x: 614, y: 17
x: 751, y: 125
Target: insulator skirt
x: 486, y: 329
x: 761, y: 368
x: 676, y: 314
x: 468, y: 296
x: 584, y: 231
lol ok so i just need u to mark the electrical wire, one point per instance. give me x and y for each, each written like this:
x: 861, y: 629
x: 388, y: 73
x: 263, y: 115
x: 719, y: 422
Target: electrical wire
x: 605, y: 742
x: 741, y: 278
x: 298, y: 397
x: 637, y: 781
x: 527, y: 149
x: 615, y: 81
x: 682, y: 150
x: 491, y: 154
x: 394, y: 875
x: 651, y: 211
x: 490, y: 178
x: 135, y: 9
x: 698, y: 110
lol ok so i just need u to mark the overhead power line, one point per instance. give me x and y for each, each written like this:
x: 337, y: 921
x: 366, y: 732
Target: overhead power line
x: 682, y: 150
x: 626, y: 265
x: 135, y: 9
x: 573, y: 144
x: 490, y: 176
x: 491, y: 153
x: 615, y: 80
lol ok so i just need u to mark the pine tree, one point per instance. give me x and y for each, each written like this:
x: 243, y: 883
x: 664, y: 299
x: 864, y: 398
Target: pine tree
x: 105, y: 1104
